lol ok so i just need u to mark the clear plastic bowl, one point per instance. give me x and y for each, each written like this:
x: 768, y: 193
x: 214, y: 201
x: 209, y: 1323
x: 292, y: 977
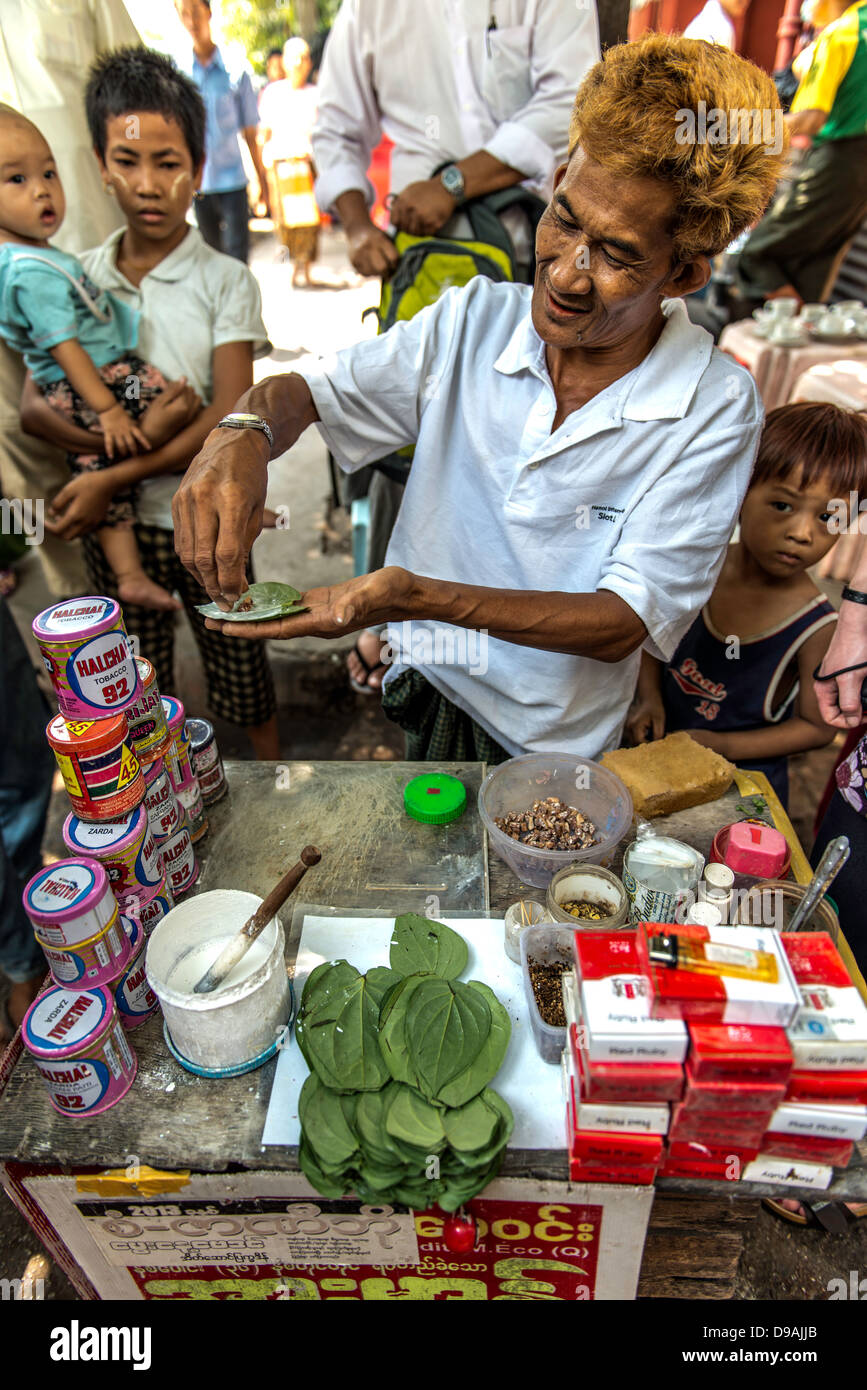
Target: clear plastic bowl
x: 548, y: 945
x: 578, y: 782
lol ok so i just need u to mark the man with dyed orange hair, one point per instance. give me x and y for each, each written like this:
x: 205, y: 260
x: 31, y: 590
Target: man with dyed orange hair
x: 581, y: 448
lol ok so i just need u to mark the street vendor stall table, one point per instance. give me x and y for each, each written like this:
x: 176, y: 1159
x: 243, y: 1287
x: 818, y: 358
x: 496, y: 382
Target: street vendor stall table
x: 180, y: 1157
x: 776, y: 369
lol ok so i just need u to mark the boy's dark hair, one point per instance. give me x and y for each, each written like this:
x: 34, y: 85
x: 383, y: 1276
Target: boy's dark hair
x: 819, y: 439
x: 126, y: 80
x: 274, y: 53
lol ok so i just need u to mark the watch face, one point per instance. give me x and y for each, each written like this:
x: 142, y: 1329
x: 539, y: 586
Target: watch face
x: 242, y: 418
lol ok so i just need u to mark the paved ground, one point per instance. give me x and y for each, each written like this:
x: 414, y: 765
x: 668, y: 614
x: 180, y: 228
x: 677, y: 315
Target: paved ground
x: 320, y: 717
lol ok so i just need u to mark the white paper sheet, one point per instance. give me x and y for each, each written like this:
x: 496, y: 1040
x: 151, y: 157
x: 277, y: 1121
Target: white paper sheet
x: 531, y: 1087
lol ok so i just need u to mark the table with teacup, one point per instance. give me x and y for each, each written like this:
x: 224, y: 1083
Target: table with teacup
x: 780, y: 343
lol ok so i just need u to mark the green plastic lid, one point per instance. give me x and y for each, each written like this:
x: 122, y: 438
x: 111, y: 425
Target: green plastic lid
x: 435, y: 798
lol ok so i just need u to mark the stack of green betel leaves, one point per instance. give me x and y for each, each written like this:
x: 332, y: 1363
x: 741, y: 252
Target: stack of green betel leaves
x: 259, y: 604
x: 397, y: 1106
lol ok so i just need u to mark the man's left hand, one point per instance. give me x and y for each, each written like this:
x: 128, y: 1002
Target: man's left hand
x: 422, y: 208
x: 335, y: 609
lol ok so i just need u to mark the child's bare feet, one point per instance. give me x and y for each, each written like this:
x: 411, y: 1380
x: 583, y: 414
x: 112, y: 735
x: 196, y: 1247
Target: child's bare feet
x: 134, y: 586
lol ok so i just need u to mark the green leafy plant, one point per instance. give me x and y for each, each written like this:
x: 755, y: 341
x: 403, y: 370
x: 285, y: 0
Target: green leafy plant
x: 397, y: 1106
x: 755, y: 808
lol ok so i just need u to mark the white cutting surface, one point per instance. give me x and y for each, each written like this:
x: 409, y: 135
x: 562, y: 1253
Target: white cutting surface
x: 532, y: 1087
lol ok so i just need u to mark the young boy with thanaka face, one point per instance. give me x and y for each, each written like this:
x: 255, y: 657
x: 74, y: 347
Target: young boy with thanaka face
x: 741, y: 679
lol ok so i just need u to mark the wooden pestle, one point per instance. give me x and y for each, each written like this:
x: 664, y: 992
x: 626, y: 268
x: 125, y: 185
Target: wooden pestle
x: 239, y: 945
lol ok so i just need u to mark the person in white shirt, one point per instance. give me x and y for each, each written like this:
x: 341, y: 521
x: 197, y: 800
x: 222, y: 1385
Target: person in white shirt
x: 487, y: 84
x: 581, y: 449
x: 715, y: 22
x: 490, y: 95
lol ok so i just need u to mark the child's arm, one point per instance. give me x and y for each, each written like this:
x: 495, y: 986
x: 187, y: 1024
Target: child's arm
x: 805, y: 730
x: 119, y: 430
x: 38, y: 419
x: 76, y: 512
x: 646, y: 718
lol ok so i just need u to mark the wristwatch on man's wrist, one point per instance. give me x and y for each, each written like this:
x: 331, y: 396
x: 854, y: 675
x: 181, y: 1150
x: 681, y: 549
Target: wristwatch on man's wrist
x: 240, y: 420
x: 452, y: 181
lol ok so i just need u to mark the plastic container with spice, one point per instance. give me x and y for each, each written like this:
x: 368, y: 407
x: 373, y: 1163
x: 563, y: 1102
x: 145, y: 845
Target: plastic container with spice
x: 546, y: 953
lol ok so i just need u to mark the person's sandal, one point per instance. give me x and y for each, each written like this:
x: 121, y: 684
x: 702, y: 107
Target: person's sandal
x: 826, y: 1216
x: 364, y: 687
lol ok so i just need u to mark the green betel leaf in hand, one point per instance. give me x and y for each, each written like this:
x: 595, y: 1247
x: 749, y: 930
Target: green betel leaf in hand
x: 261, y: 603
x: 420, y: 945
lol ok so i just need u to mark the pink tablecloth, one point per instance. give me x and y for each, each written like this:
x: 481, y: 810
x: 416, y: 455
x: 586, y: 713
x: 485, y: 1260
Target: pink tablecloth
x: 776, y: 369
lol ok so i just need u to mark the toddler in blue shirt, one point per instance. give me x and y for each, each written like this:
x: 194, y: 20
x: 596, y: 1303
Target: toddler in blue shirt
x: 77, y: 340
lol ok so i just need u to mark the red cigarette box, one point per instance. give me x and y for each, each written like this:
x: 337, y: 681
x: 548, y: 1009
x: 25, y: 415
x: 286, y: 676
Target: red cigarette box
x: 738, y: 1052
x: 820, y: 1087
x: 813, y: 1149
x: 738, y: 1130
x: 635, y: 1175
x: 711, y: 998
x: 604, y: 1147
x: 720, y: 1096
x: 693, y: 1151
x: 625, y: 1081
x: 715, y: 1171
x: 815, y: 959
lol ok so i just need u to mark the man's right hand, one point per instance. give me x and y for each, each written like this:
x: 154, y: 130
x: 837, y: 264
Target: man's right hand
x: 171, y: 412
x: 371, y: 251
x: 218, y: 509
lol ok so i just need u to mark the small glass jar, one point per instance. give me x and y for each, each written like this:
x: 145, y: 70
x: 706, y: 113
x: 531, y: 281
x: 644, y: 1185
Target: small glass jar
x: 591, y: 887
x: 527, y: 912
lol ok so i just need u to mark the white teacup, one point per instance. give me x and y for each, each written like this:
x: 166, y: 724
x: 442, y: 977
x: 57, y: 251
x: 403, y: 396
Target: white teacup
x: 847, y: 307
x: 831, y: 324
x: 783, y: 308
x: 787, y: 333
x: 811, y: 313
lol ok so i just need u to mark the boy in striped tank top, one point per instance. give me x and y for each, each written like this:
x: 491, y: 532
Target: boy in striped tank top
x: 741, y: 679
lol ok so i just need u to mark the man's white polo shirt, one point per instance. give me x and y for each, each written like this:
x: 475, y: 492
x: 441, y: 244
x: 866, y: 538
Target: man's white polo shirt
x: 636, y: 492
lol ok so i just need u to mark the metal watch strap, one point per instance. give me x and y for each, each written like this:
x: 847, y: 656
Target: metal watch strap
x: 257, y: 423
x: 853, y: 595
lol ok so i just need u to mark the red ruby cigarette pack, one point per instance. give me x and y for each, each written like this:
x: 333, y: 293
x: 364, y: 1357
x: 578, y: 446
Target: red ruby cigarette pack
x: 615, y: 1003
x: 829, y: 1030
x: 810, y: 1147
x: 692, y: 1151
x: 735, y: 1129
x: 822, y: 1087
x: 589, y: 1147
x: 705, y: 996
x: 738, y: 1052
x: 625, y: 1081
x: 634, y: 1175
x: 824, y: 1121
x: 717, y: 1170
x: 725, y: 1096
x: 793, y: 1172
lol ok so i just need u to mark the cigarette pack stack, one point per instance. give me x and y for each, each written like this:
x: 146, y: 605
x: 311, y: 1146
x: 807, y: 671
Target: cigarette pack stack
x: 736, y: 1076
x: 824, y: 1109
x: 717, y: 974
x: 623, y: 1068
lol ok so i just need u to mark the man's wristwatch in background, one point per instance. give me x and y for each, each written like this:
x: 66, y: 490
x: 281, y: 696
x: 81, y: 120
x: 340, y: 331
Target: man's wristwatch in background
x: 239, y: 420
x: 452, y: 181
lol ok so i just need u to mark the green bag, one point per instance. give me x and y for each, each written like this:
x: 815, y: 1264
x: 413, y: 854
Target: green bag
x: 430, y: 265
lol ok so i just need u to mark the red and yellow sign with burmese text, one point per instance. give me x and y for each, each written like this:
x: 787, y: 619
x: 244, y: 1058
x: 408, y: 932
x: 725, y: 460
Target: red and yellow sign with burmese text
x: 524, y: 1250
